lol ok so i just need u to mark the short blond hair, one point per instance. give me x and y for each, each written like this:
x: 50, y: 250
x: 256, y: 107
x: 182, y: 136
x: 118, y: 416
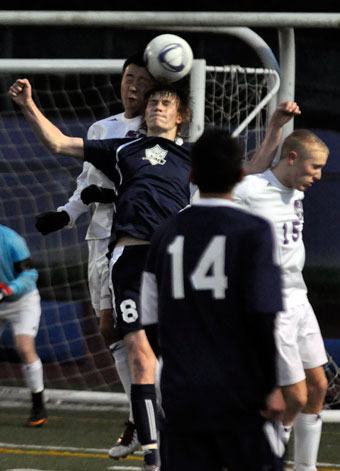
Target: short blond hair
x: 303, y: 141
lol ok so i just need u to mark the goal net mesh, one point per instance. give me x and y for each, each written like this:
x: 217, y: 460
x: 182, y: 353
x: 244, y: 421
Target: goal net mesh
x: 32, y: 181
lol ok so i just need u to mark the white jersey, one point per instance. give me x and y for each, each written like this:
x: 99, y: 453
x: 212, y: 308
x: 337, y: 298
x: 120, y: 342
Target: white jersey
x: 116, y: 126
x: 265, y: 196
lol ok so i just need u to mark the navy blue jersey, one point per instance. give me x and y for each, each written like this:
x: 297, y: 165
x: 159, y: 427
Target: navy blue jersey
x: 212, y: 286
x: 151, y: 178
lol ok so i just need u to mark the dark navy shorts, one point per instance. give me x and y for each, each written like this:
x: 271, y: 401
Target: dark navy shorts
x: 126, y: 267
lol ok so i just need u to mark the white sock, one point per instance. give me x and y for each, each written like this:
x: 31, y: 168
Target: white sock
x: 33, y: 373
x: 120, y: 356
x: 307, y: 434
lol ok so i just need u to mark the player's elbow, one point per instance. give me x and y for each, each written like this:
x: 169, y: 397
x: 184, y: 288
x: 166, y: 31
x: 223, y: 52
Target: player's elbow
x: 67, y: 146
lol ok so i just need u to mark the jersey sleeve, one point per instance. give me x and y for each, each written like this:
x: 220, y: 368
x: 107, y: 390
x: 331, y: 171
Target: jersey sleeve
x: 262, y: 292
x: 75, y: 207
x: 26, y: 280
x: 103, y: 155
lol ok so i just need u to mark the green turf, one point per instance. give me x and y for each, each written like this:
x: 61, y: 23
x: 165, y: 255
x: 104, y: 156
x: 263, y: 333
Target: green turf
x: 91, y: 430
x: 82, y: 430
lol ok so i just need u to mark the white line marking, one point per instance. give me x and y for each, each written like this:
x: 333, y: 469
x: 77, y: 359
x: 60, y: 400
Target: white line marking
x: 124, y: 468
x: 57, y: 448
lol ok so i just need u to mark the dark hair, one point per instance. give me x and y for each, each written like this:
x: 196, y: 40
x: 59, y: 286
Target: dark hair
x: 216, y: 161
x: 136, y: 59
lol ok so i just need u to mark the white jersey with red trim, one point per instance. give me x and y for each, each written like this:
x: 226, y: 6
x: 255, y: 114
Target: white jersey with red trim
x: 264, y: 195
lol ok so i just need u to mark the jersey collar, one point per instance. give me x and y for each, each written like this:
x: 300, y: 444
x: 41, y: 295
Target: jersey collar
x: 215, y: 202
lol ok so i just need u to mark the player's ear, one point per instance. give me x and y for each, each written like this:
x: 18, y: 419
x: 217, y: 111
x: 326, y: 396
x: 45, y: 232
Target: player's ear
x: 292, y: 157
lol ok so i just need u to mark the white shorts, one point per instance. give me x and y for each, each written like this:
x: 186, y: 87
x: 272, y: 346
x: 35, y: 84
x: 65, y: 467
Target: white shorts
x: 23, y: 315
x: 299, y: 343
x: 98, y: 274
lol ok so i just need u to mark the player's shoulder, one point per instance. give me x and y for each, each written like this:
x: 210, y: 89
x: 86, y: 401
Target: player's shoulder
x: 11, y: 238
x: 108, y: 121
x: 9, y: 233
x: 257, y: 181
x: 115, y: 126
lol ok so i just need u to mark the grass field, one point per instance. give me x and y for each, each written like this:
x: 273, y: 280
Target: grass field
x: 79, y: 440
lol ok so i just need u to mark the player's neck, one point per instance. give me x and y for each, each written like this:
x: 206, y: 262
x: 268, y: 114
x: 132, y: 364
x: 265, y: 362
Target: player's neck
x: 281, y: 173
x: 223, y: 196
x: 169, y: 134
x: 130, y: 114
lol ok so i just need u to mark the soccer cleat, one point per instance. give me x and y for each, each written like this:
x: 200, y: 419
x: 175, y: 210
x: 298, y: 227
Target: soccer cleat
x: 38, y: 418
x: 127, y: 443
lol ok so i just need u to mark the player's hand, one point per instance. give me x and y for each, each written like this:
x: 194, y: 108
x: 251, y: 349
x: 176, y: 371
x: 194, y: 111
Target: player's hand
x: 5, y: 291
x: 21, y: 92
x: 51, y: 221
x: 275, y: 405
x: 284, y: 113
x: 96, y: 194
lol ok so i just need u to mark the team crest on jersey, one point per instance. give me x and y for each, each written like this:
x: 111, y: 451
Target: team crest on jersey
x: 298, y: 209
x: 155, y: 155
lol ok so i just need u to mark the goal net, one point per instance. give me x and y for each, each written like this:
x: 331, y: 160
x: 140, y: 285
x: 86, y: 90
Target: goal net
x: 33, y: 181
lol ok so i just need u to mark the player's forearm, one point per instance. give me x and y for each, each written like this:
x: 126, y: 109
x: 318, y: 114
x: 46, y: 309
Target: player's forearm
x: 24, y: 283
x: 263, y: 157
x: 49, y: 134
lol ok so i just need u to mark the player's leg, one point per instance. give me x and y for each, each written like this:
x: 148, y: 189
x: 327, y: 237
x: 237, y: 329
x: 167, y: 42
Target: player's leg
x: 128, y: 440
x: 126, y: 280
x: 308, y: 424
x: 101, y: 300
x: 25, y: 326
x: 295, y: 396
x: 143, y: 393
x: 291, y: 375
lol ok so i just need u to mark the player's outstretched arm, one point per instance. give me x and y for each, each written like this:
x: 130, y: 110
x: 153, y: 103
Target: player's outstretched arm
x: 48, y: 133
x: 265, y: 154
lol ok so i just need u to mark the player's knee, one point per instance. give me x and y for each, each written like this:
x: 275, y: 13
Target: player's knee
x: 296, y: 401
x: 26, y: 348
x: 27, y: 352
x: 317, y: 389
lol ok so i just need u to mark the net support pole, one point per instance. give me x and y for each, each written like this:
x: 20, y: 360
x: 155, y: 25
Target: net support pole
x: 197, y: 87
x: 287, y: 67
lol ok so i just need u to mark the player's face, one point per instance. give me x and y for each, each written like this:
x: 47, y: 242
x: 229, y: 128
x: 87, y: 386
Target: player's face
x: 136, y: 82
x: 308, y: 169
x: 162, y: 115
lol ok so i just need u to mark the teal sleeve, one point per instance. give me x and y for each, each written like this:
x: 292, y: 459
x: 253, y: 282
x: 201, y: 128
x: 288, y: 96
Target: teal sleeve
x: 24, y: 283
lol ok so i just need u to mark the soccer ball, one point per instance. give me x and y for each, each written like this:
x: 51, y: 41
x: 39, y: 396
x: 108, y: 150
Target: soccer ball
x: 168, y: 57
